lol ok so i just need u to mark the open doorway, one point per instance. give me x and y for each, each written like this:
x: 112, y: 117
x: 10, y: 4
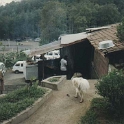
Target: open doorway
x: 79, y: 58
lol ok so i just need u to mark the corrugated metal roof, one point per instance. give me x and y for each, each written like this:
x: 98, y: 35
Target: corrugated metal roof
x: 106, y: 34
x: 62, y: 42
x: 71, y: 38
x: 46, y: 48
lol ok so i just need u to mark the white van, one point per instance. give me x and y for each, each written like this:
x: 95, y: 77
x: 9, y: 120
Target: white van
x: 52, y: 55
x: 19, y: 66
x: 2, y: 68
x: 36, y: 58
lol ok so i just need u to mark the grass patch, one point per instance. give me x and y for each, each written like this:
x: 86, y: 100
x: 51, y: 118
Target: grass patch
x: 54, y: 79
x: 99, y: 113
x: 18, y: 100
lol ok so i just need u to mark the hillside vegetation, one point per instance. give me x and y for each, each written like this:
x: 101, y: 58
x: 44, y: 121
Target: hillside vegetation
x: 50, y: 18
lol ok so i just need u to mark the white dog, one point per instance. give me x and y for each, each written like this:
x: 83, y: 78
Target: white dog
x: 81, y: 85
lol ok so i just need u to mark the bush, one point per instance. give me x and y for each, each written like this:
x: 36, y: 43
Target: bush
x: 9, y: 59
x: 120, y: 31
x: 54, y: 79
x: 96, y: 109
x: 18, y: 100
x: 111, y: 87
x: 99, y: 114
x: 89, y: 118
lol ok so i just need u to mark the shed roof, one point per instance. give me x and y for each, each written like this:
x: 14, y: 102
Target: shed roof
x: 71, y: 38
x: 103, y: 34
x: 95, y: 36
x: 46, y: 48
x: 63, y: 41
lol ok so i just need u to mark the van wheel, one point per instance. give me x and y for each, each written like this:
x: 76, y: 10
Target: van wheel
x: 16, y: 71
x: 3, y: 73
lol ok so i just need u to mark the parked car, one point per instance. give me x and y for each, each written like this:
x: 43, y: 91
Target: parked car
x: 52, y: 55
x: 37, y: 39
x: 18, y: 40
x: 19, y: 66
x: 2, y: 68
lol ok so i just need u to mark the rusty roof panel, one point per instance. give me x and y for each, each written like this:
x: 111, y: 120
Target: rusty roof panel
x: 106, y: 34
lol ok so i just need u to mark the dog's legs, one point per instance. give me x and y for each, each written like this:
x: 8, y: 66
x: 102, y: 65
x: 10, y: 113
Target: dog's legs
x: 76, y: 95
x: 81, y: 96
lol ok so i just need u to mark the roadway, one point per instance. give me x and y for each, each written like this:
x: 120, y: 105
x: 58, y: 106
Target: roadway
x: 13, y: 46
x: 10, y: 78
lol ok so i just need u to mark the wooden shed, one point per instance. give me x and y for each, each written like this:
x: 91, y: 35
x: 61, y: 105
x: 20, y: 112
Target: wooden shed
x: 104, y: 59
x: 83, y: 53
x: 76, y: 47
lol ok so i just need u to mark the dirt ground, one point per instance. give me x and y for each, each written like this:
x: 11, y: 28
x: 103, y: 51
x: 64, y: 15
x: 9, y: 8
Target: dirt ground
x: 11, y: 78
x: 63, y: 109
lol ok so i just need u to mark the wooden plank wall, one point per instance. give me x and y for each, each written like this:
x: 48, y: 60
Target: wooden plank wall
x: 100, y: 63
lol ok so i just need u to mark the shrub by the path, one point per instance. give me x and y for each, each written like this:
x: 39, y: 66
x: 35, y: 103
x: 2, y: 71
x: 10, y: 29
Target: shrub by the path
x: 111, y: 87
x: 98, y: 113
x: 109, y: 109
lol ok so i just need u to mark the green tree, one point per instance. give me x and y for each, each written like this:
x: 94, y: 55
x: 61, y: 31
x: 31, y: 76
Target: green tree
x: 107, y: 14
x: 81, y: 15
x: 50, y: 18
x: 120, y: 31
x: 53, y: 21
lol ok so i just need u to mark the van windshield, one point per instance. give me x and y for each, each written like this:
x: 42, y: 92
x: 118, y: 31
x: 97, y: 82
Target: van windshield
x: 17, y: 64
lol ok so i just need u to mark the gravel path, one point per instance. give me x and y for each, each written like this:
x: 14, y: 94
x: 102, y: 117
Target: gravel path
x: 63, y: 109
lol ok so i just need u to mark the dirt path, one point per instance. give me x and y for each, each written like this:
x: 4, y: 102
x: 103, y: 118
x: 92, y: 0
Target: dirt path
x: 63, y: 109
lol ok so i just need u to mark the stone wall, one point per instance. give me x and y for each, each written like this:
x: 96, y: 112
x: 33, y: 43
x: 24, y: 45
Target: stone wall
x: 10, y: 88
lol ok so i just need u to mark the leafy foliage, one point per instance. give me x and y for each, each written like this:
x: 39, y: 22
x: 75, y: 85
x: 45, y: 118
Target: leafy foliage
x: 9, y: 59
x: 54, y: 79
x: 120, y: 31
x: 107, y: 14
x: 99, y: 113
x: 18, y: 100
x: 51, y: 18
x: 111, y: 87
x: 53, y: 22
x: 91, y: 116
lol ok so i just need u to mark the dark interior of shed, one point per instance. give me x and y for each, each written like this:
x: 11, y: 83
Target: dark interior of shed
x: 79, y: 58
x: 117, y: 59
x: 48, y: 68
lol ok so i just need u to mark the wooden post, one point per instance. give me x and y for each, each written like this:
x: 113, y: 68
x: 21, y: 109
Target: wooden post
x: 43, y: 68
x: 1, y: 83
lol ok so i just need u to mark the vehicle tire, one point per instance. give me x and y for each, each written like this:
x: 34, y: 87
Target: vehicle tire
x: 3, y: 73
x: 16, y: 71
